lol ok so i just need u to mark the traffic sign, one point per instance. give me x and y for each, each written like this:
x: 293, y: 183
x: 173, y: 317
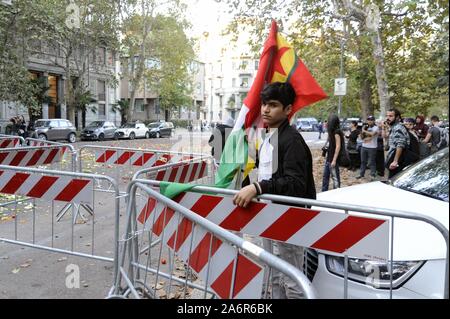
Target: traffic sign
x: 340, y: 86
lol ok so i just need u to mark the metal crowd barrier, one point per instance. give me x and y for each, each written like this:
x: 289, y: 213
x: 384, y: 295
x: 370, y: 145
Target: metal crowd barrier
x: 49, y: 191
x: 10, y: 141
x: 126, y: 161
x: 227, y: 266
x: 317, y: 228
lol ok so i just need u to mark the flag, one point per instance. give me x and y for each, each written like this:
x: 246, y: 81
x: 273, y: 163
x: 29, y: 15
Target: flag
x: 278, y: 63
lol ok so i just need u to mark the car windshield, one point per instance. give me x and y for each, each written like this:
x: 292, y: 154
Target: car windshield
x: 42, y: 124
x: 128, y: 125
x: 304, y: 122
x: 153, y: 125
x: 428, y: 177
x: 96, y: 124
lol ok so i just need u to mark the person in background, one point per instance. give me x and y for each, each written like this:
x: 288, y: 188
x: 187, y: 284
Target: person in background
x: 352, y: 146
x: 335, y: 143
x: 320, y: 128
x: 420, y: 127
x: 218, y: 138
x: 369, y: 147
x: 398, y: 141
x: 380, y: 150
x: 433, y: 136
x: 413, y: 138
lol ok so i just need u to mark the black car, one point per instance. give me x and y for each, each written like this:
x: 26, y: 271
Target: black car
x: 160, y: 129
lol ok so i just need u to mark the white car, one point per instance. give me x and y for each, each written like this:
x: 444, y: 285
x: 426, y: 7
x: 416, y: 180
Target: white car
x: 132, y: 131
x: 419, y: 248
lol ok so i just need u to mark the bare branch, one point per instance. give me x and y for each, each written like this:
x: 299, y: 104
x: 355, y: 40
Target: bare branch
x: 395, y: 14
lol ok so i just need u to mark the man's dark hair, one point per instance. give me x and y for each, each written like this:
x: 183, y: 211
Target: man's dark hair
x: 282, y: 92
x: 434, y: 118
x: 355, y: 123
x: 396, y: 112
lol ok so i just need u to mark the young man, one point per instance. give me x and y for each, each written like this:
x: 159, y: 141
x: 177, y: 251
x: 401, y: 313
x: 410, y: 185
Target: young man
x: 433, y: 136
x: 369, y: 135
x: 285, y: 168
x: 398, y: 141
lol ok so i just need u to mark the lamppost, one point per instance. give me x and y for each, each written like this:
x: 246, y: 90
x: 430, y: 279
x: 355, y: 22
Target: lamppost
x: 341, y: 74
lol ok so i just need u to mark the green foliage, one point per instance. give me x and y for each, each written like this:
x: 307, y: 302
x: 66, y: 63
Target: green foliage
x: 414, y: 37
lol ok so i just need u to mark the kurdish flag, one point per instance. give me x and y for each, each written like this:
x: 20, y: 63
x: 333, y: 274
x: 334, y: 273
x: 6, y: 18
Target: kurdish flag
x: 278, y: 63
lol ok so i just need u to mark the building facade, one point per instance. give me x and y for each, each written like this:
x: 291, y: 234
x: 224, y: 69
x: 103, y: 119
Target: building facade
x: 45, y: 61
x: 147, y: 106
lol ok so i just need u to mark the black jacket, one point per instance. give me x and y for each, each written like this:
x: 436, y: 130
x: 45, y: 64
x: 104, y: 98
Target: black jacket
x: 294, y: 173
x: 217, y: 140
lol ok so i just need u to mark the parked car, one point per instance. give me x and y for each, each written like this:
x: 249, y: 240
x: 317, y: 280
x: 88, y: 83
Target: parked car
x: 307, y: 124
x: 346, y: 124
x: 98, y: 130
x: 54, y: 129
x: 160, y: 129
x: 132, y: 131
x: 419, y: 250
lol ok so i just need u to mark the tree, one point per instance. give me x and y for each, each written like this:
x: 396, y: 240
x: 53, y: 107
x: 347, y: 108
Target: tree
x: 406, y: 42
x: 77, y: 31
x: 157, y: 50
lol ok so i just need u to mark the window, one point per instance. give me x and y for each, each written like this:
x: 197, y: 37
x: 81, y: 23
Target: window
x: 256, y: 65
x: 139, y: 105
x: 54, y: 123
x: 101, y: 56
x: 244, y: 82
x: 233, y: 82
x: 101, y: 90
x: 243, y: 65
x: 101, y: 109
x: 63, y: 124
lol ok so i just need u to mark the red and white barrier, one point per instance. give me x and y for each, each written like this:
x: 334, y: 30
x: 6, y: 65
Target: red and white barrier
x: 47, y: 187
x: 137, y: 158
x: 9, y: 142
x: 24, y: 158
x: 355, y: 236
x: 208, y: 253
x: 183, y: 173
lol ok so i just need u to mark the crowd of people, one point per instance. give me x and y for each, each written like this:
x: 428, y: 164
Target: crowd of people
x: 406, y: 140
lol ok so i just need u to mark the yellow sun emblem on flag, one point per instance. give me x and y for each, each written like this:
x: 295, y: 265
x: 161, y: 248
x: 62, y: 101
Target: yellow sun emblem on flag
x: 284, y: 60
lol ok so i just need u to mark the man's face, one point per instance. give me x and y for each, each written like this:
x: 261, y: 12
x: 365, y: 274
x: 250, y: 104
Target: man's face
x: 273, y: 113
x: 370, y: 122
x: 390, y: 117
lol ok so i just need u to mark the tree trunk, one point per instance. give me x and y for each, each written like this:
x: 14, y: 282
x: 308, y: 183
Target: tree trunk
x: 380, y: 71
x: 365, y: 95
x: 68, y: 88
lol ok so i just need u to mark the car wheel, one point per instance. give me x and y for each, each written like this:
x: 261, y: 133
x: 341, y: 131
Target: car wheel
x: 101, y: 137
x: 158, y: 135
x: 132, y: 136
x: 72, y: 138
x: 147, y: 135
x: 42, y: 137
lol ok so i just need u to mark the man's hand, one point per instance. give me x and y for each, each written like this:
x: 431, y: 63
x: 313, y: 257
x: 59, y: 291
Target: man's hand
x: 393, y: 165
x: 245, y: 195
